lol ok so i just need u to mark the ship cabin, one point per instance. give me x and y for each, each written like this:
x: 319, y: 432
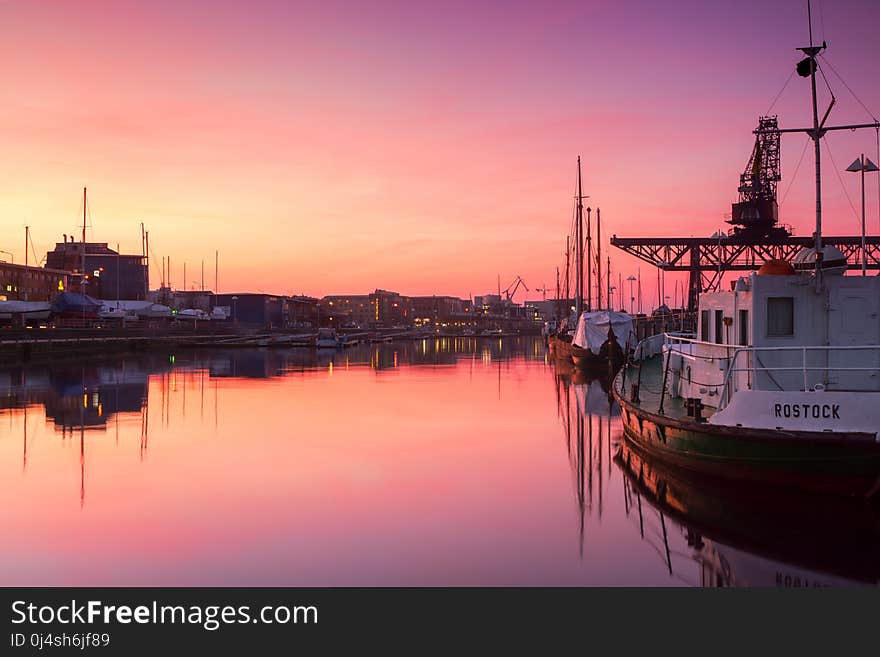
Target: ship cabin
x: 778, y: 331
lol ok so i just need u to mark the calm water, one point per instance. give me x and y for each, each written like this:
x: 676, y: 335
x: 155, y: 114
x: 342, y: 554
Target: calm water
x: 439, y: 462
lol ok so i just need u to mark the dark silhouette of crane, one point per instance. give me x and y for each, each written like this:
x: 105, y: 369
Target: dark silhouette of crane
x: 514, y: 286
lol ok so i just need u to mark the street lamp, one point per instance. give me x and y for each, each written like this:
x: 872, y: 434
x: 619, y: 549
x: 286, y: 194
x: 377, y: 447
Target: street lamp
x: 9, y: 253
x: 234, y: 314
x: 861, y: 165
x: 632, y: 296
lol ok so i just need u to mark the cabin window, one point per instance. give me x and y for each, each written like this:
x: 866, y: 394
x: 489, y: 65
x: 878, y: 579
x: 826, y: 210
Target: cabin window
x: 719, y: 326
x: 704, y: 325
x: 744, y: 327
x: 780, y: 317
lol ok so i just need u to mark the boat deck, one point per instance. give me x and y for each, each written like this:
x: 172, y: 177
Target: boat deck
x: 650, y: 390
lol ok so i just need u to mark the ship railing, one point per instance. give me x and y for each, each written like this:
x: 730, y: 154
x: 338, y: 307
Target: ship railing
x: 812, y: 376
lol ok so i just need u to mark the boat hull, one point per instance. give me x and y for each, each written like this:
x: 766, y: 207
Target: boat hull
x: 601, y: 362
x: 835, y: 463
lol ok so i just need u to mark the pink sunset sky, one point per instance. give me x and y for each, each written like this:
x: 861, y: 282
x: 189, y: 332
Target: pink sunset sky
x: 424, y: 147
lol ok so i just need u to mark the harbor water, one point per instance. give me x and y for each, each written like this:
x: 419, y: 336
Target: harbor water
x: 438, y: 462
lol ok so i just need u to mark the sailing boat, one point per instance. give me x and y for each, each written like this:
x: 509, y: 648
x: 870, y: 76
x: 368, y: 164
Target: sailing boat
x: 782, y: 386
x: 602, y: 338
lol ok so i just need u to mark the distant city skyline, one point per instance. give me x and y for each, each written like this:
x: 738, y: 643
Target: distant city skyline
x: 414, y: 147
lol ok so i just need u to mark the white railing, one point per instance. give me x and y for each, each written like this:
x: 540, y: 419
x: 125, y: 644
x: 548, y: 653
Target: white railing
x: 840, y: 376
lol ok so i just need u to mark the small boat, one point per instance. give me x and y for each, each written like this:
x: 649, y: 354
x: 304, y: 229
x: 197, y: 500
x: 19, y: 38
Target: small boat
x: 27, y: 310
x: 602, y: 339
x: 193, y: 314
x: 327, y: 339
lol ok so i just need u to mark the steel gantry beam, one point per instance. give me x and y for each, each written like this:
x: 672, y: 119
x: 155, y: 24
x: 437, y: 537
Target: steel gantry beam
x: 708, y: 258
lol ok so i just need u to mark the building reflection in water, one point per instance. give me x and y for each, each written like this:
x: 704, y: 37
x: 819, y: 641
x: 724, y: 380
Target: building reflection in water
x: 85, y: 398
x: 702, y: 532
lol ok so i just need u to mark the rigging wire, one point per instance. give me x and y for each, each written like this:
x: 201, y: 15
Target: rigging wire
x: 848, y: 88
x: 807, y: 142
x: 837, y: 171
x: 781, y: 91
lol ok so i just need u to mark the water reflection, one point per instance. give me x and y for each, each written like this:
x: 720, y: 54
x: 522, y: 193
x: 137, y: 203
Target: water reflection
x: 434, y: 462
x: 703, y: 533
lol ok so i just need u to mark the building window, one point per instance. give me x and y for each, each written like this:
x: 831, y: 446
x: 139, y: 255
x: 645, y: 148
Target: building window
x: 719, y: 327
x: 744, y: 327
x: 704, y: 325
x: 780, y: 317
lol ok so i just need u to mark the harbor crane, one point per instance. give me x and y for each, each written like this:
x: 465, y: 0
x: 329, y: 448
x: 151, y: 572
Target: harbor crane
x: 513, y: 287
x: 756, y: 235
x: 543, y: 291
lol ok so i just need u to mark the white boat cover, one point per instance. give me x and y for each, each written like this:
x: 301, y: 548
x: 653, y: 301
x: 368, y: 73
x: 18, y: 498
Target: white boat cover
x: 592, y: 329
x: 27, y: 308
x: 140, y: 308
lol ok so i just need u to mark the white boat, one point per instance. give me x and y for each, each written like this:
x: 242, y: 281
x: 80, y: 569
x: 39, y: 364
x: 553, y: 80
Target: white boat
x: 782, y: 386
x: 327, y: 339
x: 193, y: 314
x: 25, y: 309
x: 111, y: 312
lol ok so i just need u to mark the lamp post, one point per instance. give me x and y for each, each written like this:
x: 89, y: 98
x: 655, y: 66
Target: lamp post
x: 9, y: 253
x: 632, y: 296
x: 234, y: 314
x: 861, y: 165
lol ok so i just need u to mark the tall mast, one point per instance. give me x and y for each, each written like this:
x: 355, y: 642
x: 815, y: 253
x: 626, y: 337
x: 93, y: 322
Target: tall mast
x: 579, y: 259
x: 147, y: 247
x: 27, y: 231
x: 216, y: 272
x: 608, y: 283
x: 599, y: 258
x: 567, y: 255
x: 589, y: 255
x: 557, y: 295
x: 82, y: 277
x: 811, y: 51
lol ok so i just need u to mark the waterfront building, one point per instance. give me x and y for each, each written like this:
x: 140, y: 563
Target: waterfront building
x: 108, y: 274
x: 25, y: 283
x: 253, y: 309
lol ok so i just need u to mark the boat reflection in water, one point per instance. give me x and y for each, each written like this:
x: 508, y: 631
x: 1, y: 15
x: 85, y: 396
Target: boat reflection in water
x: 705, y: 533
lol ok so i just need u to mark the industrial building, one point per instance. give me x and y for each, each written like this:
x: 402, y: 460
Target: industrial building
x: 254, y: 309
x: 24, y: 283
x: 108, y: 274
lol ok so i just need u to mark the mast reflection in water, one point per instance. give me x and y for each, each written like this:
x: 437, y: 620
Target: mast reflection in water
x: 433, y: 462
x: 706, y: 533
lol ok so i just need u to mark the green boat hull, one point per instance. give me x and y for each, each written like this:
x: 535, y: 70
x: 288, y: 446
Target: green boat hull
x: 839, y: 463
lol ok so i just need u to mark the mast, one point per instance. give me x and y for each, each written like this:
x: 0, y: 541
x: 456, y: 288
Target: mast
x: 811, y: 51
x: 27, y: 234
x: 589, y: 266
x: 216, y: 272
x: 579, y: 247
x: 567, y: 255
x: 557, y: 295
x: 82, y: 276
x: 147, y: 247
x: 599, y: 258
x: 608, y: 283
